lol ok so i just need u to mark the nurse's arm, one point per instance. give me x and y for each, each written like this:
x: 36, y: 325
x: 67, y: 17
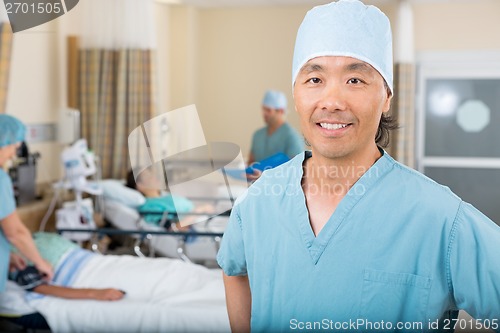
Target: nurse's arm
x: 19, y: 236
x: 239, y: 302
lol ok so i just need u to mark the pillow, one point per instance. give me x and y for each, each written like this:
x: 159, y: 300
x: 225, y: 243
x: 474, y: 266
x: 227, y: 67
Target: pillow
x: 115, y: 190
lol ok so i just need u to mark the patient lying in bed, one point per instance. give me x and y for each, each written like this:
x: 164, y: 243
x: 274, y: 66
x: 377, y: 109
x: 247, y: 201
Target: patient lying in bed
x: 156, y: 202
x: 161, y: 294
x: 29, y: 278
x: 126, y: 208
x: 24, y: 278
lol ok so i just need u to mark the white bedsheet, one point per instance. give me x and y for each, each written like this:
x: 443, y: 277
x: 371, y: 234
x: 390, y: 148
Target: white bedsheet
x: 163, y: 295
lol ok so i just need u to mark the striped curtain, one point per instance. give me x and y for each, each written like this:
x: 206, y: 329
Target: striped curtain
x: 403, y: 103
x: 116, y: 94
x: 5, y: 52
x: 403, y: 108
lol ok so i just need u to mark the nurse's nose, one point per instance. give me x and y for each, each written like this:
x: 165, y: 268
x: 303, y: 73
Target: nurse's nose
x: 333, y: 97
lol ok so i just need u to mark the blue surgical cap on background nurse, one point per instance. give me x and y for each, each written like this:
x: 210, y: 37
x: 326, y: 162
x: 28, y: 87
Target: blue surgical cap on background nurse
x: 12, y: 130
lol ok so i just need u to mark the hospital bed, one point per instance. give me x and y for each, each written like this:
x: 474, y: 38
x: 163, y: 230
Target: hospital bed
x: 163, y: 295
x: 193, y: 248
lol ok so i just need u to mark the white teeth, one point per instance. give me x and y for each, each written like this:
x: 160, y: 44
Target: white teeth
x: 333, y: 126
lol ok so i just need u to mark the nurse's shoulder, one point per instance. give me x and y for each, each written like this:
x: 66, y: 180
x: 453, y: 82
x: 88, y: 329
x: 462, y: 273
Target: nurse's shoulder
x: 273, y: 184
x: 424, y: 190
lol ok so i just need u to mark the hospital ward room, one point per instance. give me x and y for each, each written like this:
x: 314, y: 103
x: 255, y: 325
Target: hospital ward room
x: 162, y: 171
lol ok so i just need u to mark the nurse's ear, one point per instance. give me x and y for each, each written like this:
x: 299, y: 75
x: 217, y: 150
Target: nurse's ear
x: 388, y: 101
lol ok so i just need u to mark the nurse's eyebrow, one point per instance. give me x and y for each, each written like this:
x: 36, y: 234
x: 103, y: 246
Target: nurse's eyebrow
x: 359, y: 67
x: 309, y: 68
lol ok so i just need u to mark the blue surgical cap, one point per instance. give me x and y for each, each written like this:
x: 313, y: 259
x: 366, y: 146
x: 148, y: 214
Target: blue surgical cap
x: 345, y: 28
x: 11, y: 130
x: 274, y: 99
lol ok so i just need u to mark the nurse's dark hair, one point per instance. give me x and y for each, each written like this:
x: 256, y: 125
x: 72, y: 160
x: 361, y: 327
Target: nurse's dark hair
x: 387, y: 124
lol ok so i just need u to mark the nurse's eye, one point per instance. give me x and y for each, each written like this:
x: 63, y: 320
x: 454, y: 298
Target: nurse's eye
x: 314, y: 80
x: 354, y: 81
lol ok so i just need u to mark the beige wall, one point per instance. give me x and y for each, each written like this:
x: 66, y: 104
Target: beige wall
x: 34, y: 88
x: 243, y: 52
x: 183, y: 50
x: 458, y: 26
x: 163, y: 52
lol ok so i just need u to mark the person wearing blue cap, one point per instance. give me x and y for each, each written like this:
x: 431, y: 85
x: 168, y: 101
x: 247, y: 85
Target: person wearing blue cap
x: 277, y: 136
x: 12, y: 230
x: 343, y: 237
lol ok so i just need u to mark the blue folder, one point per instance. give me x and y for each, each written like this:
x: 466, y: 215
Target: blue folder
x: 267, y: 163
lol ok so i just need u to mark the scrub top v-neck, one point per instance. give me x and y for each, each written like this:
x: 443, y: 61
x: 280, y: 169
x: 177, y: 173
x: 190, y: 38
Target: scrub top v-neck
x: 316, y: 244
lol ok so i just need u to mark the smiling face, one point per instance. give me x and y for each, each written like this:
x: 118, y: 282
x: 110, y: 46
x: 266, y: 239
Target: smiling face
x: 340, y: 101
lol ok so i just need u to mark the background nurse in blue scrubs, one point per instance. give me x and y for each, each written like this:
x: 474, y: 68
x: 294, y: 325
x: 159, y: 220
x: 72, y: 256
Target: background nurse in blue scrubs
x: 12, y: 230
x: 277, y: 136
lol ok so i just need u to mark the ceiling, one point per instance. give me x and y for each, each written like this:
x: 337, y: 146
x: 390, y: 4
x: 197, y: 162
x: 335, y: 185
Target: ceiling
x: 241, y: 3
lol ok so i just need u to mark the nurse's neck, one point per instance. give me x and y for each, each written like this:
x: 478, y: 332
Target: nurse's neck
x: 151, y: 193
x: 336, y: 176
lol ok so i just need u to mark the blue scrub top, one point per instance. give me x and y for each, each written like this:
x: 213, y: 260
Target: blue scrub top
x: 7, y: 207
x: 284, y: 140
x: 399, y: 248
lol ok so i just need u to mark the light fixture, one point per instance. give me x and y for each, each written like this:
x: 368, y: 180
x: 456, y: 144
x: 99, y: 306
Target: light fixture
x: 473, y: 116
x: 443, y: 101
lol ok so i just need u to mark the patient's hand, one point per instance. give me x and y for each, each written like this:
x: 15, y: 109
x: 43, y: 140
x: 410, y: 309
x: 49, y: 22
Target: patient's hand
x: 108, y: 294
x: 185, y: 223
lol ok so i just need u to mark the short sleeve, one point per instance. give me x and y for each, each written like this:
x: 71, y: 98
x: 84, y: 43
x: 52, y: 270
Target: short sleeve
x: 474, y: 264
x: 7, y: 199
x: 231, y: 256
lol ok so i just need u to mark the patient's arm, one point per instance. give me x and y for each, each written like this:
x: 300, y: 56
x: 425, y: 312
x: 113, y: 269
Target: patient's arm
x: 108, y: 294
x: 239, y: 302
x: 184, y: 224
